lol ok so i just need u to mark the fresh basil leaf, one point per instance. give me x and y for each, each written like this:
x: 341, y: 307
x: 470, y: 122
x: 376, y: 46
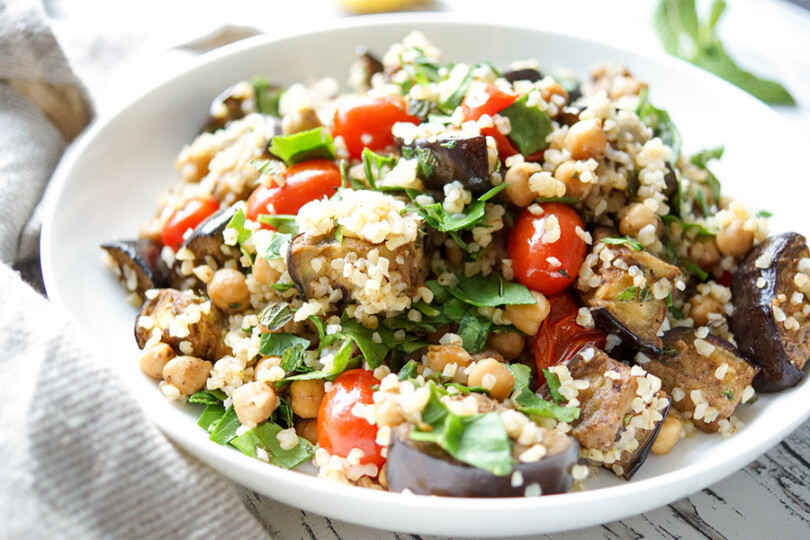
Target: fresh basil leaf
x: 267, y: 96
x: 635, y: 245
x: 208, y: 397
x: 283, y: 223
x: 210, y: 416
x: 553, y: 383
x: 237, y: 223
x: 408, y: 371
x: 661, y: 123
x: 264, y: 436
x: 373, y: 353
x: 225, y: 429
x: 491, y: 291
x: 530, y: 126
x: 274, y: 316
x: 480, y: 440
x: 276, y: 344
x: 302, y: 146
x: 277, y: 244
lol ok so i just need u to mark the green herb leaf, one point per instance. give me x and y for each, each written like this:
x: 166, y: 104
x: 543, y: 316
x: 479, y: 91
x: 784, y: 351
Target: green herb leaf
x: 522, y: 375
x: 276, y: 344
x: 374, y: 165
x: 480, y: 440
x: 211, y: 416
x: 373, y: 353
x: 302, y: 146
x: 237, y: 222
x: 662, y: 125
x: 635, y: 245
x: 267, y: 96
x: 292, y: 359
x: 703, y: 230
x: 281, y: 287
x: 695, y: 270
x: 305, y: 376
x: 473, y: 328
x: 729, y: 395
x: 454, y: 100
x: 267, y: 166
x: 491, y: 291
x: 764, y: 214
x: 264, y: 436
x: 281, y: 222
x: 408, y: 371
x: 283, y: 415
x: 208, y: 397
x: 530, y: 403
x: 530, y: 126
x: 274, y: 316
x: 634, y: 294
x: 493, y: 192
x: 553, y: 383
x: 277, y: 244
x: 225, y: 429
x: 573, y: 201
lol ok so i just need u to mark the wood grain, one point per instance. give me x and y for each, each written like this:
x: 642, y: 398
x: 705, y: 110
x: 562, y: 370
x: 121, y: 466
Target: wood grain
x: 768, y: 498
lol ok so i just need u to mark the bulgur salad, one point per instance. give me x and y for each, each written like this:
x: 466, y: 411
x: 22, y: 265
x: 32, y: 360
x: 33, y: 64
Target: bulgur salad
x: 459, y: 280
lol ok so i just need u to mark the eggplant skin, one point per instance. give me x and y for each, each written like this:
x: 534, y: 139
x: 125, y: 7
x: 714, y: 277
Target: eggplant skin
x: 465, y: 160
x: 780, y: 353
x: 143, y: 257
x: 425, y: 469
x: 206, y: 239
x: 525, y: 74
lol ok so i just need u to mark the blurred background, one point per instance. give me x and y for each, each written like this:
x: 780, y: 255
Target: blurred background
x: 119, y: 48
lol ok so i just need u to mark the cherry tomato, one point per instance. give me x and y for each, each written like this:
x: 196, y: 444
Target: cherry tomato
x: 364, y: 121
x: 486, y: 98
x: 188, y: 216
x: 338, y: 429
x: 530, y: 252
x: 304, y: 182
x: 560, y: 337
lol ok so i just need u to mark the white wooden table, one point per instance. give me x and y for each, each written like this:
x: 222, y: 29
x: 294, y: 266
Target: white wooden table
x: 770, y: 498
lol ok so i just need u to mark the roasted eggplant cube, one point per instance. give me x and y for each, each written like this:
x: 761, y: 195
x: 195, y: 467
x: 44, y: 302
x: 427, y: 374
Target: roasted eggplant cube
x: 426, y: 469
x: 233, y: 103
x: 408, y: 262
x: 446, y: 160
x: 179, y: 317
x: 206, y: 246
x: 138, y: 264
x: 524, y: 74
x: 630, y: 298
x: 621, y: 411
x: 708, y: 374
x: 771, y: 296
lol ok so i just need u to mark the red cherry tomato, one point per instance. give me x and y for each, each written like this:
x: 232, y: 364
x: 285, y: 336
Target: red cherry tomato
x: 338, y: 429
x: 304, y: 182
x: 530, y: 251
x: 366, y: 122
x: 486, y: 98
x: 188, y: 216
x: 560, y: 337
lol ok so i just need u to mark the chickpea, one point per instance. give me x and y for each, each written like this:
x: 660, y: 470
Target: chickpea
x: 517, y: 183
x: 549, y: 87
x: 509, y: 344
x: 626, y: 86
x: 228, y: 289
x: 527, y: 318
x: 388, y: 413
x: 308, y: 429
x: 586, y: 139
x: 702, y: 306
x: 493, y: 376
x: 637, y: 217
x: 382, y: 478
x: 261, y: 372
x: 734, y: 241
x: 439, y: 356
x: 303, y: 119
x: 668, y: 435
x: 187, y: 373
x: 306, y: 397
x: 153, y: 359
x: 264, y: 273
x: 254, y: 403
x: 704, y: 253
x: 568, y: 174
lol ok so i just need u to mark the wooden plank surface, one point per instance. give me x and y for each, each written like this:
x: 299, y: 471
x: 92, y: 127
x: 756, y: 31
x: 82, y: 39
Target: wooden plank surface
x: 770, y: 498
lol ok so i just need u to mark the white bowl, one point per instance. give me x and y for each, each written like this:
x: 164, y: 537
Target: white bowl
x: 108, y: 184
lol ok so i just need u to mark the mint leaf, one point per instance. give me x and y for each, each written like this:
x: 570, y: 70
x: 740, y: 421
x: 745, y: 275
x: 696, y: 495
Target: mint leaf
x: 530, y: 403
x: 208, y: 397
x: 274, y: 316
x: 225, y: 428
x: 264, y: 436
x: 491, y: 291
x: 277, y: 344
x: 277, y: 245
x: 267, y: 96
x: 302, y: 146
x: 281, y: 222
x: 553, y: 383
x: 210, y: 416
x: 635, y: 245
x: 374, y: 162
x: 530, y: 126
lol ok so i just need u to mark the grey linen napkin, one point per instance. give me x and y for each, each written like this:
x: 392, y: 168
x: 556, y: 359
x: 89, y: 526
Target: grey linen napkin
x: 77, y: 457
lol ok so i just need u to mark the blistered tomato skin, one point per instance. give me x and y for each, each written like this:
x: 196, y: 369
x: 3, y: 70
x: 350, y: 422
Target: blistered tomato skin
x: 188, y: 216
x: 303, y: 182
x: 339, y: 431
x: 546, y: 256
x: 366, y: 122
